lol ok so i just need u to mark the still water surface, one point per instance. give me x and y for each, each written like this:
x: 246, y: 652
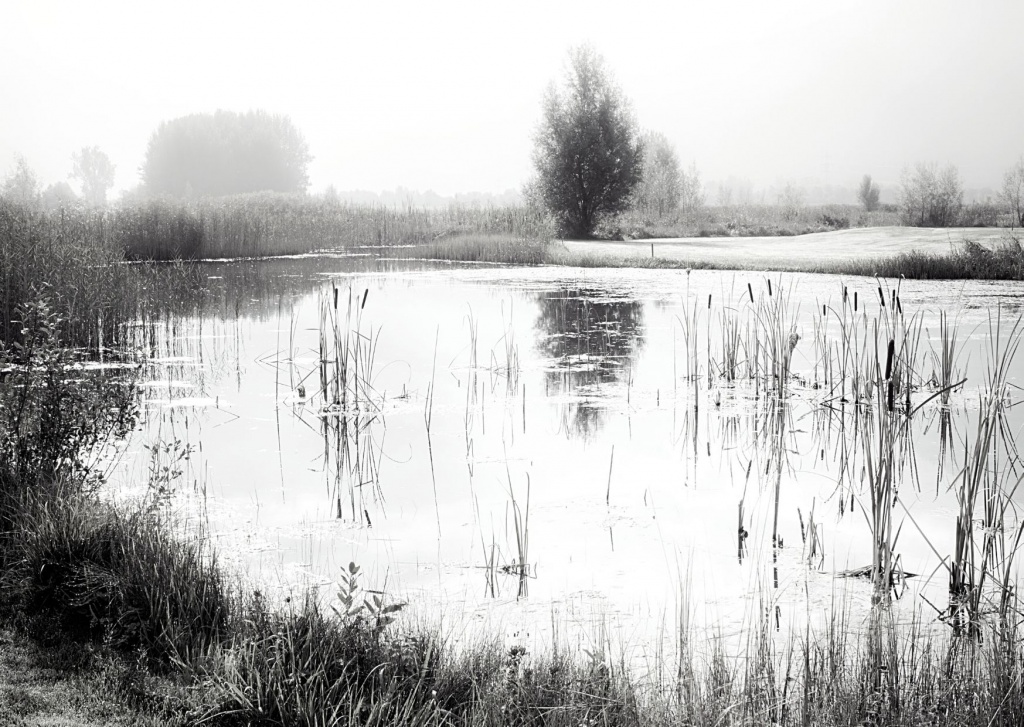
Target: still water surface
x: 566, y: 401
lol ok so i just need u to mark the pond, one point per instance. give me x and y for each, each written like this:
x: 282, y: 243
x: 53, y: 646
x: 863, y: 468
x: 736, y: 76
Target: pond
x: 566, y: 453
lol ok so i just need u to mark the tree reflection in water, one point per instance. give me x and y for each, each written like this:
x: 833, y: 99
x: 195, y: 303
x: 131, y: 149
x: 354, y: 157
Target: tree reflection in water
x: 592, y: 339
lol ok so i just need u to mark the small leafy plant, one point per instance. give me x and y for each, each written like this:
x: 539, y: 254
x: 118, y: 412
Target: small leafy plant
x: 364, y: 607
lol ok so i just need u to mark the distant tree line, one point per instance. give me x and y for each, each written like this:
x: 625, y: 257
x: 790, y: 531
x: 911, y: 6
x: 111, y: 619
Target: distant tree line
x: 209, y: 155
x: 592, y: 162
x: 91, y: 168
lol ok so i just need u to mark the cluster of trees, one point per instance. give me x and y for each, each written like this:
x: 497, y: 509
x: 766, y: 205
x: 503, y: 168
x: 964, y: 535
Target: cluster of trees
x: 90, y: 167
x: 198, y: 155
x: 226, y: 153
x: 590, y: 156
x: 591, y: 159
x: 931, y: 196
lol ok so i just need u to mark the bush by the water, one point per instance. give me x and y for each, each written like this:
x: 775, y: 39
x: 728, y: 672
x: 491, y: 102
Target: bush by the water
x: 56, y: 413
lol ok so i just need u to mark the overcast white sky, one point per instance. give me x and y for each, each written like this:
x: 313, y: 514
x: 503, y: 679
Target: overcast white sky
x: 445, y: 95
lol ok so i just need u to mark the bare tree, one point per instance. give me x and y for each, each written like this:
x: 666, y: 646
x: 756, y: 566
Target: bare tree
x: 1012, y: 193
x: 692, y: 197
x: 930, y: 197
x: 868, y: 194
x: 92, y: 168
x: 791, y: 199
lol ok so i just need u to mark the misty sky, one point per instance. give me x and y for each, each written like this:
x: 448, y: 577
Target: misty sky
x: 445, y: 96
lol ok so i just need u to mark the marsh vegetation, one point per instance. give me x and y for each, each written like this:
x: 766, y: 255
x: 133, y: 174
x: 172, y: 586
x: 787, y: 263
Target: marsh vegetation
x: 827, y: 465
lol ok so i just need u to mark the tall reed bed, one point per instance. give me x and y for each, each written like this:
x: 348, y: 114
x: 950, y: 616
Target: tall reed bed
x: 69, y: 259
x: 263, y: 225
x: 486, y: 247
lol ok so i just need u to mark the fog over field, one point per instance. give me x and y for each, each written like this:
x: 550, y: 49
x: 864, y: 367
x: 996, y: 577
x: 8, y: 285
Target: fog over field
x: 445, y: 96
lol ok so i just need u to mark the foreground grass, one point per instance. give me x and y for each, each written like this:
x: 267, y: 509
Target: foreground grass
x: 52, y: 681
x: 302, y: 664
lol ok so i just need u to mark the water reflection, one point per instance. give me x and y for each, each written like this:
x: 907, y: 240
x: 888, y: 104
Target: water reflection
x: 254, y: 289
x: 663, y: 466
x: 592, y: 341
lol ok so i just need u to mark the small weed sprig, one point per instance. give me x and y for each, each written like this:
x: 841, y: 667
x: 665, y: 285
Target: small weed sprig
x: 359, y: 605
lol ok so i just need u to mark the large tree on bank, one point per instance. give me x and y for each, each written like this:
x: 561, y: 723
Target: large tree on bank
x: 226, y: 153
x: 587, y: 150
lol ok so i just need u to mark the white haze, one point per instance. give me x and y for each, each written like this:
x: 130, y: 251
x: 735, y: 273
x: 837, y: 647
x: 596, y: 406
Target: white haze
x: 445, y: 96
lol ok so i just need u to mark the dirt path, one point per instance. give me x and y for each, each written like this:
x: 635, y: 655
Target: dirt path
x: 863, y: 243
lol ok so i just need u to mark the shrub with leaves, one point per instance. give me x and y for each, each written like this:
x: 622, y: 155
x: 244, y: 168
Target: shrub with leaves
x: 56, y: 412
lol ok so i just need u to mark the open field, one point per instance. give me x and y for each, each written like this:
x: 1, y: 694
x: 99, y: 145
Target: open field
x: 801, y: 252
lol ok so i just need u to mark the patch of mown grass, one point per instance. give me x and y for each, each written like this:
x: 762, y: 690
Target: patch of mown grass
x: 745, y: 220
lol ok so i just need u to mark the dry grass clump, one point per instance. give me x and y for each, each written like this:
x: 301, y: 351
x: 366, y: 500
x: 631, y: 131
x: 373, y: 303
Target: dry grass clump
x: 486, y: 248
x: 967, y: 261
